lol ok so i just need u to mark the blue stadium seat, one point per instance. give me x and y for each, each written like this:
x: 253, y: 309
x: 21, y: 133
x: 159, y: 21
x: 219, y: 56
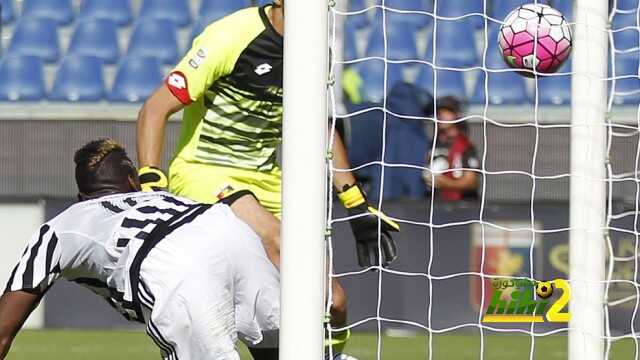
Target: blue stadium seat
x: 456, y: 44
x: 501, y: 8
x: 627, y: 4
x: 98, y: 38
x: 175, y: 10
x: 505, y: 88
x: 625, y: 31
x: 21, y: 78
x: 216, y: 9
x: 621, y: 21
x: 264, y: 2
x: 372, y: 74
x: 458, y: 8
x: 118, y: 11
x: 626, y: 39
x: 155, y: 38
x: 417, y: 20
x: 401, y: 42
x: 59, y: 10
x: 36, y: 37
x: 448, y: 82
x: 136, y: 79
x: 8, y: 11
x: 79, y: 78
x: 555, y: 89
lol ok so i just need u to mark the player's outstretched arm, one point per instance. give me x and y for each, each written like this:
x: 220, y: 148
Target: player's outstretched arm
x: 152, y: 120
x: 15, y: 307
x: 262, y: 222
x: 364, y: 223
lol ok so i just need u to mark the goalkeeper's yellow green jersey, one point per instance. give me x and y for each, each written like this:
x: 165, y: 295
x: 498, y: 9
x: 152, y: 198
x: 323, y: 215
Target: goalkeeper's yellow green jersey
x: 231, y: 84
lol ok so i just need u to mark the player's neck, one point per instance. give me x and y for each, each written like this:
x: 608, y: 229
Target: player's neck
x: 276, y: 17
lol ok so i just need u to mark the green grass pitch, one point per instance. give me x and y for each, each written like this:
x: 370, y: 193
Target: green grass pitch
x: 108, y: 345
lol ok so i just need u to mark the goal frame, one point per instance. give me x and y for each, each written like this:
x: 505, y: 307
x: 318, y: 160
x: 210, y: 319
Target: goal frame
x: 304, y: 180
x: 587, y: 198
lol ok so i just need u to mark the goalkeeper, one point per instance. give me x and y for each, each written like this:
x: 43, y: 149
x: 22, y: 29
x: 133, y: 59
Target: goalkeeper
x: 230, y: 87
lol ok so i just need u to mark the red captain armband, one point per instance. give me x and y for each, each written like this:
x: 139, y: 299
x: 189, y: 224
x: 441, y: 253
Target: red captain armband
x: 177, y: 84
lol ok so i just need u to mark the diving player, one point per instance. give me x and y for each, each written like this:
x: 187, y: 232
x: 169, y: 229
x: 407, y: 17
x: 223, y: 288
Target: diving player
x: 195, y: 274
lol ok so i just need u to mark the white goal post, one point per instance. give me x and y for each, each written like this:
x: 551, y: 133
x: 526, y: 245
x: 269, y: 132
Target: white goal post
x: 587, y: 185
x: 304, y: 180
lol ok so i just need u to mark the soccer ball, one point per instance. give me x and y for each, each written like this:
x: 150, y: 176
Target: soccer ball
x: 536, y: 24
x: 544, y: 289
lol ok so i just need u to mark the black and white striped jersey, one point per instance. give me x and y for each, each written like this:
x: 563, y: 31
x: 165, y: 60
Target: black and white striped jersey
x: 100, y: 244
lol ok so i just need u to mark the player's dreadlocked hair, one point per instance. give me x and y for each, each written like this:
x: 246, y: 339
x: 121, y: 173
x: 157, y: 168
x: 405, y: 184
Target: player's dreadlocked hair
x: 103, y: 168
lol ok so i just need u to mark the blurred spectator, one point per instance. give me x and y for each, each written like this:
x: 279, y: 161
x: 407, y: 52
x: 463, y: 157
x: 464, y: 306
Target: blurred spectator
x: 454, y: 158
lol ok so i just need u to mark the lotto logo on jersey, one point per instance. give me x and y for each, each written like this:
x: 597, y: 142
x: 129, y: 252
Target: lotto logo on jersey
x: 177, y: 84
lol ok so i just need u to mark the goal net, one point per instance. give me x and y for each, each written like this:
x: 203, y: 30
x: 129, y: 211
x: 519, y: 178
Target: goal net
x: 557, y: 182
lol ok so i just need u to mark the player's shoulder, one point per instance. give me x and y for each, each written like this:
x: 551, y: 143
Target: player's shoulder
x: 240, y: 21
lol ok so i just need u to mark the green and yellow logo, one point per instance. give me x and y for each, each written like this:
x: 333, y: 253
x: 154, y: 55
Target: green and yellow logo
x: 513, y: 301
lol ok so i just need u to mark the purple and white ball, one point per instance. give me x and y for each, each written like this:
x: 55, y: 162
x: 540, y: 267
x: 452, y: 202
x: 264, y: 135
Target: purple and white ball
x: 535, y: 37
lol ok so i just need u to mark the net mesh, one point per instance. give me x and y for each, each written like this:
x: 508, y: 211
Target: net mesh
x: 528, y: 177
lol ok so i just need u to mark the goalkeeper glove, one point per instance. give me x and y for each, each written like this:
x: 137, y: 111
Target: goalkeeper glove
x: 365, y: 228
x: 152, y: 179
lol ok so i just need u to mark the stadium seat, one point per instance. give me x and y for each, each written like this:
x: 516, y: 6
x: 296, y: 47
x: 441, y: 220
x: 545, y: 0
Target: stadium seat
x: 417, y: 20
x: 98, y: 38
x: 625, y: 31
x: 136, y: 79
x: 61, y: 11
x: 626, y: 39
x: 177, y: 11
x: 216, y: 9
x: 401, y: 42
x: 118, y: 11
x: 36, y: 37
x: 7, y: 11
x: 505, y: 88
x: 501, y: 8
x: 372, y: 74
x: 627, y: 5
x: 460, y: 33
x: 458, y: 8
x: 155, y: 38
x: 448, y: 82
x: 21, y: 78
x: 79, y: 78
